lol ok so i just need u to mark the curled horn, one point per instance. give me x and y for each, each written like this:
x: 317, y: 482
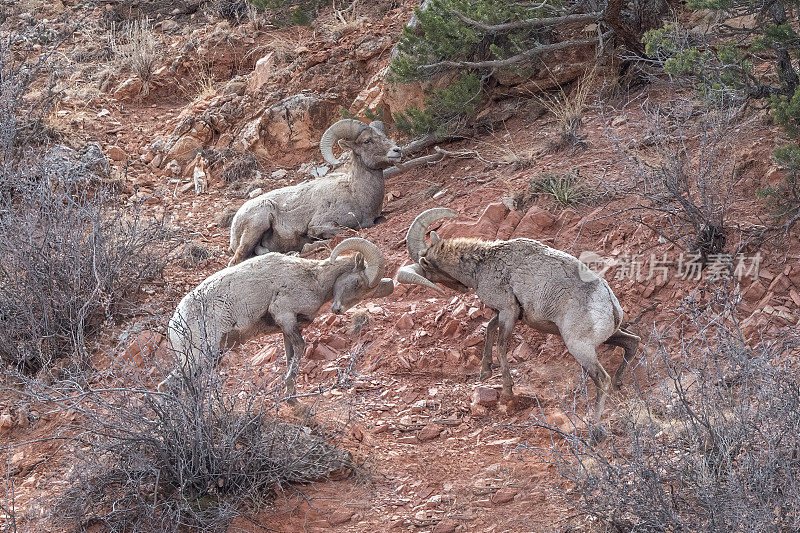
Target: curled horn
x: 413, y: 274
x: 415, y: 238
x: 373, y: 257
x: 343, y: 129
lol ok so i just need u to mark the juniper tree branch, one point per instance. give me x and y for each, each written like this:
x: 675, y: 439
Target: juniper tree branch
x: 513, y: 60
x: 424, y: 160
x: 420, y: 144
x: 528, y: 23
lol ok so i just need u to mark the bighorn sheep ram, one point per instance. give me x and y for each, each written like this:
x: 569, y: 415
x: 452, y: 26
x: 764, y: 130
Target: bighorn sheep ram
x: 552, y: 291
x: 271, y: 293
x: 286, y: 219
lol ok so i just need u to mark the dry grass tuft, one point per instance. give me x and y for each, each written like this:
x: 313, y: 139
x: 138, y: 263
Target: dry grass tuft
x: 136, y: 49
x: 226, y: 218
x: 194, y: 253
x: 568, y: 110
x: 204, y: 85
x: 563, y: 188
x: 347, y: 19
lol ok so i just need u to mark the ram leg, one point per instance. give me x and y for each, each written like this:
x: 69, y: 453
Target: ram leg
x: 491, y: 337
x: 628, y: 342
x: 247, y: 243
x: 507, y: 319
x: 180, y: 351
x: 182, y: 339
x: 311, y: 247
x: 295, y: 347
x: 587, y: 357
x: 323, y: 231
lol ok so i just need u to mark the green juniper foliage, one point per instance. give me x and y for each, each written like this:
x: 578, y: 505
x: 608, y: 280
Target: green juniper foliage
x: 721, y: 66
x: 662, y: 43
x: 442, y: 35
x: 725, y: 59
x: 783, y: 199
x: 444, y: 109
x: 721, y: 73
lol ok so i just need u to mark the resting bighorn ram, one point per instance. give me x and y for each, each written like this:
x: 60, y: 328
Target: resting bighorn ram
x: 271, y: 293
x: 552, y: 291
x: 285, y: 219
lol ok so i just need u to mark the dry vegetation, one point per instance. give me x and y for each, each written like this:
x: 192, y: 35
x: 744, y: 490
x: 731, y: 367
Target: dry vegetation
x: 710, y: 445
x: 706, y: 436
x: 73, y: 259
x: 196, y: 456
x: 568, y: 109
x: 136, y: 49
x: 71, y: 254
x: 685, y: 174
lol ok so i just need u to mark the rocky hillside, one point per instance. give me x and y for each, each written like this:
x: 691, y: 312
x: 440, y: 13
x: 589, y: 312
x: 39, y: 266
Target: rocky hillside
x: 226, y: 109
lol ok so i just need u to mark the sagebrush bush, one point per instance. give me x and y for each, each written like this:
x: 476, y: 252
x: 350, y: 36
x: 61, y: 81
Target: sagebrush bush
x: 68, y: 259
x: 290, y: 12
x: 194, y: 253
x: 689, y: 187
x: 226, y: 218
x: 195, y: 456
x: 713, y: 446
x: 22, y: 118
x: 238, y: 166
x: 234, y: 10
x: 70, y: 253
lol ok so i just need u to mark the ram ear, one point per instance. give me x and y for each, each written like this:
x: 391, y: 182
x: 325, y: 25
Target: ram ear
x: 344, y: 144
x: 424, y: 262
x: 359, y: 264
x: 435, y: 238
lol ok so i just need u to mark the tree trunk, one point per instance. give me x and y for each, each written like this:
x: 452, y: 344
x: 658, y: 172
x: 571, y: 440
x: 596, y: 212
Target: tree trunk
x: 786, y: 71
x: 623, y: 35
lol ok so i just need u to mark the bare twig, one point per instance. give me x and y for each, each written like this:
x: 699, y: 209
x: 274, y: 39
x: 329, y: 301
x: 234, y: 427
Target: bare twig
x: 419, y: 161
x: 516, y: 59
x: 692, y: 453
x: 529, y: 23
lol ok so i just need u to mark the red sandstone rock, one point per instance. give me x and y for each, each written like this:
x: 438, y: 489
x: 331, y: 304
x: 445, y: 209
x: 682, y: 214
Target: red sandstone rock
x: 535, y: 222
x: 405, y: 322
x: 485, y: 396
x: 503, y: 495
x: 429, y: 432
